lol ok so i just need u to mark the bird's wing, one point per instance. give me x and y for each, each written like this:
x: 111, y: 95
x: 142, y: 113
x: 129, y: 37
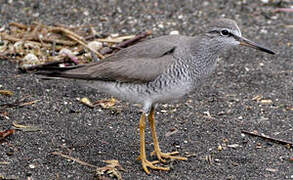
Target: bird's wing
x: 139, y: 63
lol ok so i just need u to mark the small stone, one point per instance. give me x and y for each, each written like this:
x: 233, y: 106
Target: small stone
x: 29, y: 60
x: 115, y: 35
x: 86, y: 13
x: 32, y: 166
x: 220, y: 148
x: 95, y: 45
x: 261, y: 64
x: 271, y: 170
x: 263, y: 31
x: 174, y: 33
x: 161, y: 26
x: 66, y: 51
x: 233, y: 145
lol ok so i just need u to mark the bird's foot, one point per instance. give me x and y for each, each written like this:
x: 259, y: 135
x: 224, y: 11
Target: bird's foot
x: 148, y: 164
x: 162, y: 156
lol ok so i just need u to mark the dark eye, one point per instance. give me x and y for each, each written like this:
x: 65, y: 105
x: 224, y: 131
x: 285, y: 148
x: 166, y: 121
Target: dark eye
x: 225, y: 32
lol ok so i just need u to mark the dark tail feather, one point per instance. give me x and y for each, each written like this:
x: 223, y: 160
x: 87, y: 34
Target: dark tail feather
x: 62, y: 72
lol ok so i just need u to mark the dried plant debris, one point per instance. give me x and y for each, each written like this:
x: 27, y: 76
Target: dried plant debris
x: 6, y: 92
x: 19, y: 103
x: 37, y: 45
x: 86, y: 102
x: 280, y: 141
x: 106, y: 103
x: 4, y: 134
x: 112, y: 169
x: 74, y: 159
x: 27, y: 128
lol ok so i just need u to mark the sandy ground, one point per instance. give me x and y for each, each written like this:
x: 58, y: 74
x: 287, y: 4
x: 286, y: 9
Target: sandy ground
x: 213, y: 116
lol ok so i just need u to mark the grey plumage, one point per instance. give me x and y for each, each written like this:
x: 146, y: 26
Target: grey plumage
x: 160, y: 70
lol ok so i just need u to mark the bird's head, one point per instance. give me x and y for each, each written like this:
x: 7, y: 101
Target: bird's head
x: 227, y: 33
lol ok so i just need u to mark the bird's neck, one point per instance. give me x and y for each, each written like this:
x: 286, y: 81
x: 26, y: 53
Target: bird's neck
x: 204, y: 52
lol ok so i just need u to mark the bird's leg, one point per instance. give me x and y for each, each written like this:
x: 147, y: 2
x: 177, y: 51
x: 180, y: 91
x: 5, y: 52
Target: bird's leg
x: 142, y: 157
x: 157, y: 149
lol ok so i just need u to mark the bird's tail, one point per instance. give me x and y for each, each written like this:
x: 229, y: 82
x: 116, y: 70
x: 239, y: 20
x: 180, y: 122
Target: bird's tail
x: 58, y: 72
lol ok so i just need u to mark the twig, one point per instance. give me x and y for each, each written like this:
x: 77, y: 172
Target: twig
x: 86, y: 46
x: 33, y: 39
x: 74, y: 159
x: 76, y: 38
x: 283, y: 10
x: 20, y: 26
x: 128, y: 42
x: 284, y: 142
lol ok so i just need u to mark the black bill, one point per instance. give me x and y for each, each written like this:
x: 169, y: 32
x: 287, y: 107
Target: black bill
x: 245, y: 42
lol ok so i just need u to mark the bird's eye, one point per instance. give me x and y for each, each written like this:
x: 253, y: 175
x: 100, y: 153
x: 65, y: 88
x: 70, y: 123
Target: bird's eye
x: 225, y: 32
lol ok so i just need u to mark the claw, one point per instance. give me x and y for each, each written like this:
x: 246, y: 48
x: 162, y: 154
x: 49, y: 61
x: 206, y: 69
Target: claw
x: 161, y: 155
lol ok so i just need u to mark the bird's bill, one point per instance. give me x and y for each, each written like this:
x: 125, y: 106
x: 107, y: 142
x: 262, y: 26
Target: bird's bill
x: 246, y: 42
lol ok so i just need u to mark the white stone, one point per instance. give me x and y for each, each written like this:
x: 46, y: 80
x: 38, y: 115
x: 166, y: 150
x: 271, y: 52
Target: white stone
x: 174, y: 32
x: 95, y: 45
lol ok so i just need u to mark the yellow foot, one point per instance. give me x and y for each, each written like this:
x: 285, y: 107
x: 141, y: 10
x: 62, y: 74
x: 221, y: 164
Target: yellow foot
x: 145, y: 164
x: 161, y: 156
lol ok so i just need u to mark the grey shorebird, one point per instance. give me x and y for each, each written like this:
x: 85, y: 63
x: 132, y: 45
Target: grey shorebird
x: 159, y: 70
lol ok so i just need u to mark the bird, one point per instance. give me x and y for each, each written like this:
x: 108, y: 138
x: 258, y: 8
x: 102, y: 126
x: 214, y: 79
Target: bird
x: 159, y: 70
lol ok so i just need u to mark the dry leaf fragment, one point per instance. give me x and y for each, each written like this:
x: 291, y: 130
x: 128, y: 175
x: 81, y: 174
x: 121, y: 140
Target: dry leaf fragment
x: 6, y: 92
x: 106, y: 103
x: 111, y: 169
x: 86, y: 102
x: 6, y: 133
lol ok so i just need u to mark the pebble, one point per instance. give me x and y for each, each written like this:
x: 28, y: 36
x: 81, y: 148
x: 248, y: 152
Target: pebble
x: 66, y: 51
x: 174, y: 32
x: 95, y: 45
x: 32, y: 166
x: 265, y: 1
x: 29, y: 60
x: 233, y: 145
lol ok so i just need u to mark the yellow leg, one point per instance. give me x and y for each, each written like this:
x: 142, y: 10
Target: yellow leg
x: 157, y: 149
x: 142, y: 157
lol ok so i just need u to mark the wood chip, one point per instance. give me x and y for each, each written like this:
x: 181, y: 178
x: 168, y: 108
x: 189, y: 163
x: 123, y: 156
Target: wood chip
x: 6, y: 92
